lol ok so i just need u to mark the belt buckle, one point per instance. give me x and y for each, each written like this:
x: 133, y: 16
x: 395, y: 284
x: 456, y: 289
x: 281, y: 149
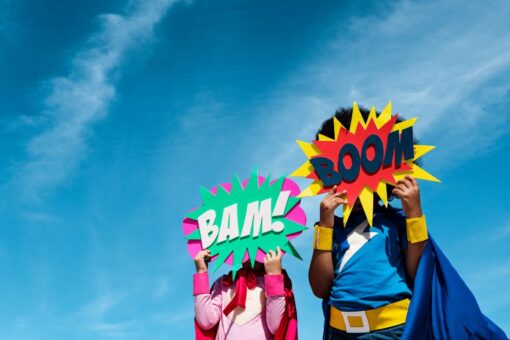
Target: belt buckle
x: 364, y: 328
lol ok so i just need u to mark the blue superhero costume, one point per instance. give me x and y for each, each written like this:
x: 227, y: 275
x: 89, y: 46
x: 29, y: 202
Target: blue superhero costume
x: 435, y: 311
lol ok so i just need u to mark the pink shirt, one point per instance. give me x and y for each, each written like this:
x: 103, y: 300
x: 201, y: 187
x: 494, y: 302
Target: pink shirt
x: 265, y: 305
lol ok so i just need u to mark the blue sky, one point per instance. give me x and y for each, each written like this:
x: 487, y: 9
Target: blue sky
x: 112, y: 114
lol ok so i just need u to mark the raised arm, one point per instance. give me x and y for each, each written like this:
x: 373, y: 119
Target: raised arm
x: 321, y: 272
x: 207, y: 303
x: 409, y: 193
x: 274, y: 289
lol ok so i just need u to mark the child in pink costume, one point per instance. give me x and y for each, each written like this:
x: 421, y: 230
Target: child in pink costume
x: 259, y: 304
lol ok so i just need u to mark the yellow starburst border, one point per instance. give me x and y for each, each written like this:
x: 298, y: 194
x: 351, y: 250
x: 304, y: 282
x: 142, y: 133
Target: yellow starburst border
x: 366, y: 195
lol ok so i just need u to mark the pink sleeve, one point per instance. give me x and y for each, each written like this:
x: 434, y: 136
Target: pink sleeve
x: 207, y: 305
x: 275, y: 301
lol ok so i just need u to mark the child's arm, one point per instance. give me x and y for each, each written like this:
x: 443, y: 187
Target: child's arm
x: 409, y: 193
x: 321, y: 272
x: 207, y: 303
x: 274, y: 289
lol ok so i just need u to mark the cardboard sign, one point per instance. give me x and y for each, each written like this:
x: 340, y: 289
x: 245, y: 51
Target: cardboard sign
x: 242, y: 221
x: 363, y: 159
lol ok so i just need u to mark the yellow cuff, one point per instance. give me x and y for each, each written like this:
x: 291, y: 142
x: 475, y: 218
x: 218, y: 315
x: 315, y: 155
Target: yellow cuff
x: 416, y: 229
x: 323, y: 238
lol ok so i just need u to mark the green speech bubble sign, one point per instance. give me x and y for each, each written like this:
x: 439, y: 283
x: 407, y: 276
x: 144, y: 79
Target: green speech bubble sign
x: 245, y: 219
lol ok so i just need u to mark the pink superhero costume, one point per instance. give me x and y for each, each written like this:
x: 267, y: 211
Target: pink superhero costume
x: 264, y: 305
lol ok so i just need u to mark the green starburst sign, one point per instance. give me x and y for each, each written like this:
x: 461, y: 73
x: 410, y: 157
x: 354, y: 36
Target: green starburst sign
x: 245, y: 219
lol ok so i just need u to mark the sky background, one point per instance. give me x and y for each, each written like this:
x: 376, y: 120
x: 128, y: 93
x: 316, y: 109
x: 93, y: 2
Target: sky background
x: 113, y: 113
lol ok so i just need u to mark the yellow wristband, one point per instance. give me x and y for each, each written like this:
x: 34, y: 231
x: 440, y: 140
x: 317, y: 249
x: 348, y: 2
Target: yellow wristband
x: 323, y: 238
x: 416, y: 229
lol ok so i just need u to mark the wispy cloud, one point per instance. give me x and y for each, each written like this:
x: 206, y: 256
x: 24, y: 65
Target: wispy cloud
x: 119, y: 329
x: 451, y: 76
x: 100, y: 306
x: 174, y: 317
x: 79, y: 99
x: 93, y: 315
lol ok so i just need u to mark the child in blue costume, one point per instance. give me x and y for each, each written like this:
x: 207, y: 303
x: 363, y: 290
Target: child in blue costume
x: 366, y: 275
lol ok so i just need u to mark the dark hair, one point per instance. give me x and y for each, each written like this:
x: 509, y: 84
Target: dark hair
x: 344, y: 116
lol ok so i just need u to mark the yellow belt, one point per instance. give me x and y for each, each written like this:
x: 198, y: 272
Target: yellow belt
x: 391, y: 315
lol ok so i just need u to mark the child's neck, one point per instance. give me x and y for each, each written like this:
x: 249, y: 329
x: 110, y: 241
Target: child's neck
x: 258, y: 267
x: 358, y: 207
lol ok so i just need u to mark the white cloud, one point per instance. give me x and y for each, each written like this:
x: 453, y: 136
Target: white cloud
x: 441, y: 61
x: 176, y: 316
x: 119, y: 329
x: 100, y: 306
x: 76, y: 101
x: 93, y: 315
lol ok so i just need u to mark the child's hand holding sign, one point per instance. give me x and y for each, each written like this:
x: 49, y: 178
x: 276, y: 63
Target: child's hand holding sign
x: 273, y: 262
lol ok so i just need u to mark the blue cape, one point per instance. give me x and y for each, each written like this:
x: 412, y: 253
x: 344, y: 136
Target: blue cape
x: 442, y: 306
